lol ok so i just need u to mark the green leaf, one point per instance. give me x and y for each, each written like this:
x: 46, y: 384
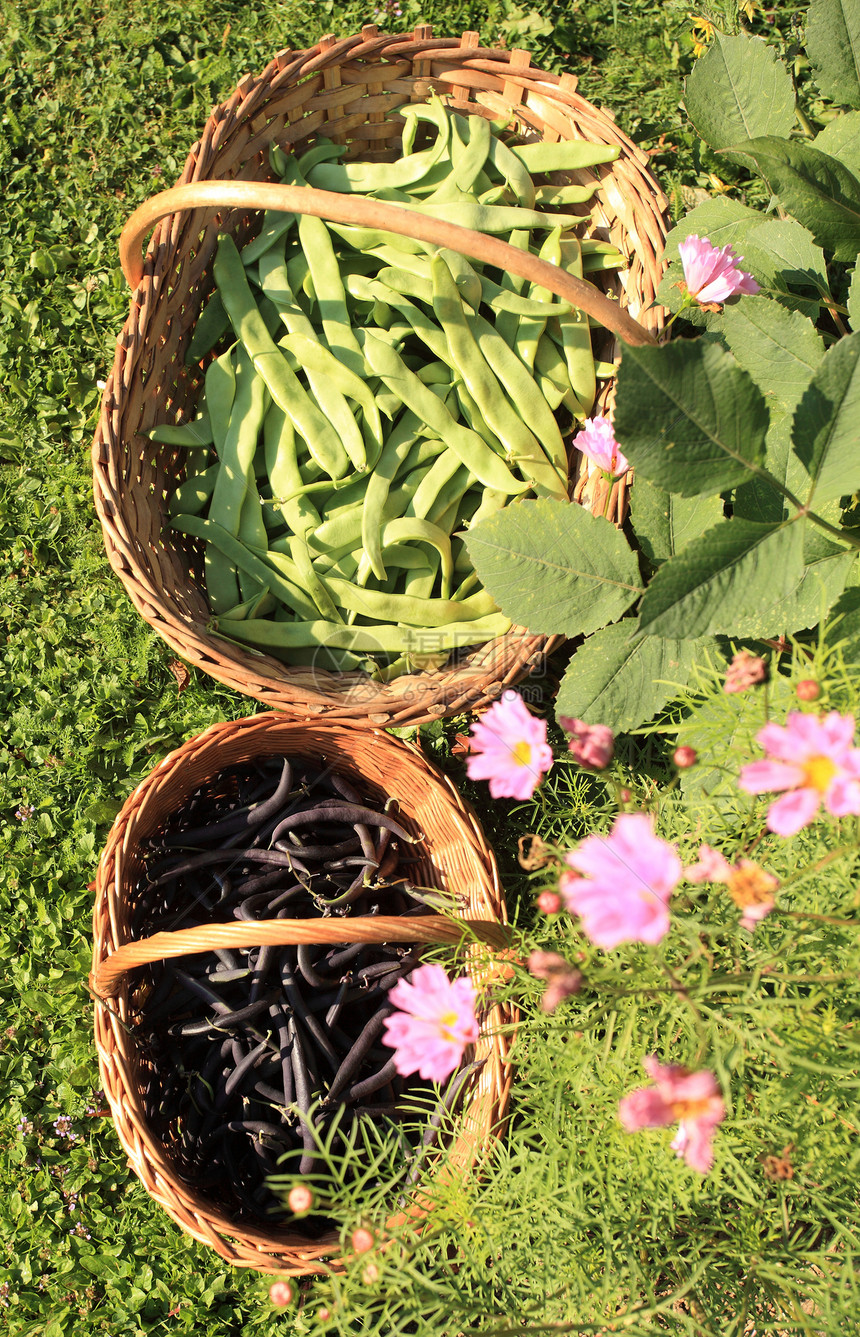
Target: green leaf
x: 854, y: 299
x: 827, y: 570
x: 833, y: 48
x: 553, y: 567
x: 738, y: 571
x: 779, y: 349
x: 841, y: 139
x: 782, y: 255
x: 825, y: 430
x: 739, y: 90
x: 847, y: 629
x: 664, y: 524
x: 814, y: 188
x: 623, y: 681
x: 688, y: 417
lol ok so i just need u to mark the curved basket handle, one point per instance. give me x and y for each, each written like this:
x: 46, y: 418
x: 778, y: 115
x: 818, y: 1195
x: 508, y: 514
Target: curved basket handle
x: 106, y: 978
x: 364, y: 212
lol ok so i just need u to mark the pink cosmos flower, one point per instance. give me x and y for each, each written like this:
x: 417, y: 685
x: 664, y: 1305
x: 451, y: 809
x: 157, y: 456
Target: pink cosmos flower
x: 712, y: 274
x: 596, y: 439
x: 628, y: 879
x: 509, y: 748
x: 435, y: 1022
x: 591, y: 745
x: 812, y: 759
x: 711, y: 867
x: 691, y: 1098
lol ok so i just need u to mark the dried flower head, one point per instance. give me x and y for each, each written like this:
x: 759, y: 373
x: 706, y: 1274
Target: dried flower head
x: 746, y: 670
x: 562, y: 978
x: 591, y: 745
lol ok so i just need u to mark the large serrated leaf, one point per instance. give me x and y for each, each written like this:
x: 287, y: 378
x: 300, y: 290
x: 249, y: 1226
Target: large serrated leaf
x: 737, y: 572
x: 825, y: 576
x: 622, y: 681
x: 814, y: 188
x: 779, y: 349
x: 553, y: 567
x: 841, y: 139
x: 854, y: 299
x: 739, y: 90
x: 688, y: 417
x: 826, y: 427
x: 833, y: 48
x: 664, y: 524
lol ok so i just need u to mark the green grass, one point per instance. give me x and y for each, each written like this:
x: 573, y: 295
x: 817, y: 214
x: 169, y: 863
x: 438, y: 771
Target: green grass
x: 98, y: 106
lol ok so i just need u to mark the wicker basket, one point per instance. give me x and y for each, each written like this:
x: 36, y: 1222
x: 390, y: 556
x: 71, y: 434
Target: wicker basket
x: 458, y: 861
x: 345, y: 89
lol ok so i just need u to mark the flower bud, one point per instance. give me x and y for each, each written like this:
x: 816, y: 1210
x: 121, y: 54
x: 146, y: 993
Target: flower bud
x: 280, y: 1294
x: 362, y: 1240
x: 370, y: 1275
x: 808, y: 690
x: 625, y: 795
x: 549, y: 902
x: 323, y: 1314
x: 591, y: 745
x: 685, y: 757
x: 300, y: 1199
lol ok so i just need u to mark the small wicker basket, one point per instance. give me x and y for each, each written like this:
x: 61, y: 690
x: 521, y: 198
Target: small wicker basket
x: 458, y: 861
x: 345, y: 89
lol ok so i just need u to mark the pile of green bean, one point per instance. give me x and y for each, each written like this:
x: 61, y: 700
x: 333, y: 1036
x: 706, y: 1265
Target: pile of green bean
x: 380, y: 395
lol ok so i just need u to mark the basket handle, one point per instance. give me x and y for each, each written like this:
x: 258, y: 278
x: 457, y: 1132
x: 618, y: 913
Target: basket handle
x: 106, y: 978
x: 358, y: 209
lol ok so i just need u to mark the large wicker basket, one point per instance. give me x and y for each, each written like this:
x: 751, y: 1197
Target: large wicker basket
x: 458, y: 861
x: 347, y: 90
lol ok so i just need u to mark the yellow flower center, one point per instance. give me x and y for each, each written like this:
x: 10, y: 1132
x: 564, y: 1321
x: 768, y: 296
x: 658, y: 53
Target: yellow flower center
x: 819, y: 772
x: 751, y: 885
x: 691, y: 1109
x: 446, y: 1025
x: 522, y: 753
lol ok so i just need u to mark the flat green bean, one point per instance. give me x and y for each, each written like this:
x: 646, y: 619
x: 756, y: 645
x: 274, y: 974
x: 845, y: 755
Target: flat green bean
x: 521, y: 388
x: 192, y: 495
x: 192, y: 434
x: 467, y: 445
x: 283, y: 385
x: 288, y: 591
x: 518, y: 441
x: 567, y: 155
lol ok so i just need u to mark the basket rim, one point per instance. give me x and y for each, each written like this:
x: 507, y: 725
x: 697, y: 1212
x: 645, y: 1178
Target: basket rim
x: 278, y: 1250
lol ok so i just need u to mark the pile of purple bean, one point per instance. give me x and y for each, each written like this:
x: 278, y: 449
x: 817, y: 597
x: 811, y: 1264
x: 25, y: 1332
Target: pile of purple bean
x: 240, y: 1044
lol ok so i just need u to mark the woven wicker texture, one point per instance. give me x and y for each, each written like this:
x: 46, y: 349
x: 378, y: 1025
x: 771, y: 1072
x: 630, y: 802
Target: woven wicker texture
x: 345, y: 89
x: 458, y: 860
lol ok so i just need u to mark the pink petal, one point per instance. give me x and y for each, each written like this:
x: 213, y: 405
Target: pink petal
x: 767, y: 777
x: 793, y: 811
x: 843, y: 797
x: 644, y: 1108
